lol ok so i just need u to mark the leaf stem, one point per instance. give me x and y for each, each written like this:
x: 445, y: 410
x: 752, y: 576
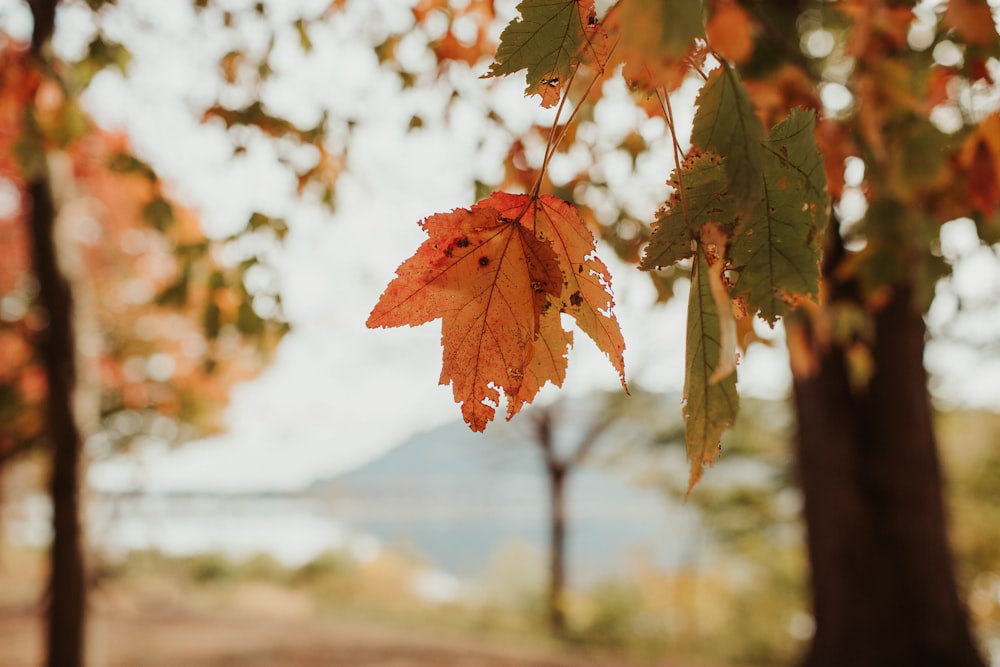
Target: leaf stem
x: 556, y: 135
x: 668, y: 111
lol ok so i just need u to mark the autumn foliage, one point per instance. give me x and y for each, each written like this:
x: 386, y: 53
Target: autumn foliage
x: 752, y: 192
x: 164, y: 324
x: 499, y: 275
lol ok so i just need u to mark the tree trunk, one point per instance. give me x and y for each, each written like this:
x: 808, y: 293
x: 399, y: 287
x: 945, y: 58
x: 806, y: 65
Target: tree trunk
x: 557, y: 470
x: 66, y: 592
x: 883, y: 585
x: 66, y: 580
x: 557, y: 549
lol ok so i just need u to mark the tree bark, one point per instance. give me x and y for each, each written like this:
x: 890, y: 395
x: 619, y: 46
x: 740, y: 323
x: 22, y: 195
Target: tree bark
x: 66, y: 580
x: 883, y: 584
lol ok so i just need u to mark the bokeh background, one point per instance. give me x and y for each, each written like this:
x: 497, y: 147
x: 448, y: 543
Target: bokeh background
x: 340, y: 513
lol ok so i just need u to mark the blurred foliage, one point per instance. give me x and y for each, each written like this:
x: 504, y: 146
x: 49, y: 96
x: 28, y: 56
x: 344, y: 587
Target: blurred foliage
x: 970, y: 446
x: 741, y: 598
x: 168, y: 319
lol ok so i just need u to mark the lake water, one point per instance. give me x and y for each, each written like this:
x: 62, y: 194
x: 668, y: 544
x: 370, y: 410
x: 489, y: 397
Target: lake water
x: 458, y: 539
x: 291, y: 529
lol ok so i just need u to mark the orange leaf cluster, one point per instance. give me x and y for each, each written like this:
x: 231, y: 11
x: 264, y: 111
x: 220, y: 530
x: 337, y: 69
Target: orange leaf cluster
x: 139, y: 351
x: 878, y: 28
x: 17, y: 87
x: 451, y: 47
x: 498, y: 275
x: 133, y: 263
x: 730, y: 32
x: 980, y: 156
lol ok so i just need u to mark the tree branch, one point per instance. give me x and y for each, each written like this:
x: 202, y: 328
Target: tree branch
x: 44, y: 14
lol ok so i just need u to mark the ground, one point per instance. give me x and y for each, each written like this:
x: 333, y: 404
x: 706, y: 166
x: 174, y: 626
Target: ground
x: 156, y: 620
x: 119, y: 639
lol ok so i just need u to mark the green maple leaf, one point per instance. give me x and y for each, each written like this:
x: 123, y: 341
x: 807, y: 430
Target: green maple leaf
x: 550, y: 40
x: 699, y: 196
x: 777, y: 250
x: 725, y: 124
x: 710, y: 402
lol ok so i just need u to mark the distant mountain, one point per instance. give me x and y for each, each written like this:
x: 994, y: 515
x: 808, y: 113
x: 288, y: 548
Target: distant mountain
x: 455, y: 497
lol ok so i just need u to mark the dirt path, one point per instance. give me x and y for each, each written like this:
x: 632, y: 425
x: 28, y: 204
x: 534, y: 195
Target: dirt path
x: 150, y: 620
x: 119, y: 640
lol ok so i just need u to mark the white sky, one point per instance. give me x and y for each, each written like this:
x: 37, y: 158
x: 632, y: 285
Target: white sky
x: 338, y: 393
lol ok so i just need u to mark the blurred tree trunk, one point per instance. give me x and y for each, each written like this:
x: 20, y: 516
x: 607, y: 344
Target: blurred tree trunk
x: 556, y: 473
x: 66, y: 589
x: 558, y: 470
x: 884, y: 591
x: 557, y: 551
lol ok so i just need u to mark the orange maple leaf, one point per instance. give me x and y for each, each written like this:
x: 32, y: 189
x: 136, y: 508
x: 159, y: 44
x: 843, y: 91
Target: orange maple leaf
x: 498, y: 275
x: 487, y: 277
x: 547, y: 359
x: 586, y: 288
